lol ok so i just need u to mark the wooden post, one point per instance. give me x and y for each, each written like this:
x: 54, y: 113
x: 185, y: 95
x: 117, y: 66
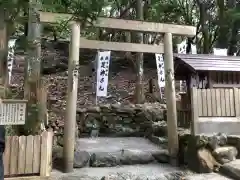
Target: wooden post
x: 46, y: 153
x: 70, y: 121
x: 170, y: 96
x: 194, y: 110
x: 210, y: 80
x: 236, y: 102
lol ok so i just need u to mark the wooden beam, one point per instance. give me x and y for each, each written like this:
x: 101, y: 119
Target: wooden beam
x: 120, y: 46
x: 236, y: 101
x: 194, y: 110
x: 129, y: 25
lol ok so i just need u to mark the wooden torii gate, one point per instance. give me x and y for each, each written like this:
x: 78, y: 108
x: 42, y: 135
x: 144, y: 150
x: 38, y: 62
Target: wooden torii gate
x: 129, y: 25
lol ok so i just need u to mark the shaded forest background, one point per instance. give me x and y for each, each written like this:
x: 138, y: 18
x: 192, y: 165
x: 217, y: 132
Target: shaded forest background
x: 217, y: 22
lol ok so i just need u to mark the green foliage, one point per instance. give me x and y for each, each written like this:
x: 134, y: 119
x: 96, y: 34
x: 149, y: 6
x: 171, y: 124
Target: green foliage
x: 82, y: 10
x: 10, y: 131
x: 168, y: 11
x: 164, y: 11
x: 234, y: 14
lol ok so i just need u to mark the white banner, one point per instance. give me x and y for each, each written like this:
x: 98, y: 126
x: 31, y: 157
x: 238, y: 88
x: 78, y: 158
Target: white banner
x: 193, y: 49
x: 182, y: 47
x: 102, y: 73
x: 220, y: 52
x: 160, y: 70
x: 10, y: 58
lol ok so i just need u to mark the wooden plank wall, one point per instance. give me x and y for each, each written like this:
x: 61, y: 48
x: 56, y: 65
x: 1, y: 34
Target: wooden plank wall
x: 28, y: 155
x: 216, y: 102
x: 184, y: 118
x: 225, y: 78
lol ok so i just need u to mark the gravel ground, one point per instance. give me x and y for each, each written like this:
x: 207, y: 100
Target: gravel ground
x: 136, y: 172
x: 210, y: 176
x: 151, y: 171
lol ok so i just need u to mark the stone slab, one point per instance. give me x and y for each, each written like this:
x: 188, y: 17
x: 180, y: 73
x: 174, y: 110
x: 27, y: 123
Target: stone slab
x: 113, y: 151
x: 229, y: 126
x: 144, y: 172
x: 231, y: 169
x: 105, y: 144
x: 209, y: 176
x: 151, y: 171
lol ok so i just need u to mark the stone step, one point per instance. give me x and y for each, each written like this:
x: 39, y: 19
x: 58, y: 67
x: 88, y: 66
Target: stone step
x: 153, y: 171
x: 135, y: 172
x: 209, y: 176
x: 110, y: 152
x: 231, y: 169
x: 125, y: 157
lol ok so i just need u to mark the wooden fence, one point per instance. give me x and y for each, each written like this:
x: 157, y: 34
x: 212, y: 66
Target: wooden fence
x: 216, y: 102
x: 28, y: 156
x: 215, y: 110
x: 209, y: 103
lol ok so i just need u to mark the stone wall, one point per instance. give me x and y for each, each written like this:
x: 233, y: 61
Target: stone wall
x: 202, y: 154
x: 119, y: 120
x: 216, y: 153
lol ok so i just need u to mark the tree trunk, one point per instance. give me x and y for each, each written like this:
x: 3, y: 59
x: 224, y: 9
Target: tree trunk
x: 178, y: 39
x: 222, y: 40
x: 232, y: 48
x: 3, y: 55
x: 55, y: 35
x: 32, y: 76
x: 26, y: 23
x: 139, y: 91
x: 147, y: 7
x: 204, y: 27
x: 127, y: 35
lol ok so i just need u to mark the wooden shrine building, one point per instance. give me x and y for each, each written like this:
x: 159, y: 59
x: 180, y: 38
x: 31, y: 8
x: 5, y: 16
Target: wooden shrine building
x: 212, y: 100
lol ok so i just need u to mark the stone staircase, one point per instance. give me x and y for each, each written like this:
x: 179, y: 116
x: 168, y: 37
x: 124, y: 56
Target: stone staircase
x: 124, y: 158
x: 110, y: 152
x: 152, y: 171
x: 120, y: 158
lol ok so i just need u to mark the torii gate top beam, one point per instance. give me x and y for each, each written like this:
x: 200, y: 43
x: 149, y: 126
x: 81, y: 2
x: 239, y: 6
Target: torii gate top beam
x: 128, y: 25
